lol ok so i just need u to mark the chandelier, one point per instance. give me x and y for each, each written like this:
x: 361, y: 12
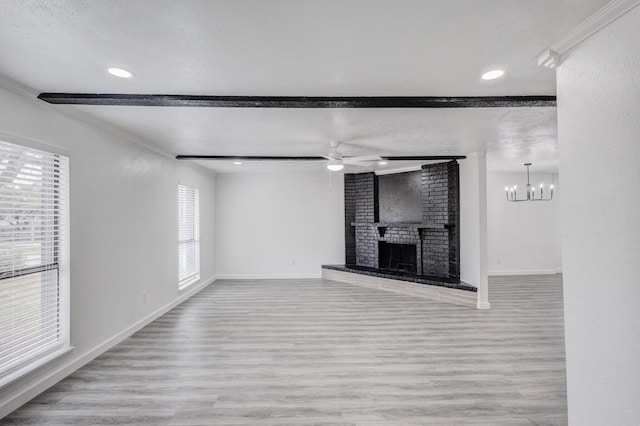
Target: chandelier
x: 512, y: 194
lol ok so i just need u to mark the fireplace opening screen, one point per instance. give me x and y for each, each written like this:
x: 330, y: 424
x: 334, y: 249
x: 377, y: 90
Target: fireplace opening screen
x: 397, y: 257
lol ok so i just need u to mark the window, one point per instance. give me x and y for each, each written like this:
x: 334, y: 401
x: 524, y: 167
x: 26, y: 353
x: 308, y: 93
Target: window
x: 188, y: 235
x: 34, y: 273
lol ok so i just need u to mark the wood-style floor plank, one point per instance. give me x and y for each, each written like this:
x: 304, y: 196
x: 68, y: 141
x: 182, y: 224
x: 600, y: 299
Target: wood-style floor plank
x: 292, y: 352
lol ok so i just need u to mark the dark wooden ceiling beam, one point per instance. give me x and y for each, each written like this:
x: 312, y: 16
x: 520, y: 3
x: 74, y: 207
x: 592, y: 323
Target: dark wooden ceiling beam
x: 316, y: 158
x: 119, y: 99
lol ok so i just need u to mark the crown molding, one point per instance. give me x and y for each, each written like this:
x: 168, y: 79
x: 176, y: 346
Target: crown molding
x: 16, y: 87
x: 31, y: 94
x: 97, y: 123
x: 553, y: 55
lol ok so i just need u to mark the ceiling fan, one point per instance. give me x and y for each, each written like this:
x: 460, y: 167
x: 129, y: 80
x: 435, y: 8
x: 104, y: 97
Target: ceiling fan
x: 336, y: 161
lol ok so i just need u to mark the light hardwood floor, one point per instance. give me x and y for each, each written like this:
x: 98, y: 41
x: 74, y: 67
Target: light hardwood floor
x: 297, y: 352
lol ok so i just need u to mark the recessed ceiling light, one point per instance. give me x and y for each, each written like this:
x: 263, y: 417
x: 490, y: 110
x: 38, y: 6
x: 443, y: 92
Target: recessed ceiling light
x: 382, y: 163
x: 120, y: 72
x: 237, y: 163
x: 492, y: 75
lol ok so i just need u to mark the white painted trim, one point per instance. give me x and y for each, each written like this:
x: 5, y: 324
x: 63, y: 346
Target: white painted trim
x: 53, y: 377
x: 21, y: 140
x: 75, y: 114
x: 553, y: 55
x: 524, y: 272
x: 483, y: 305
x: 548, y: 58
x: 79, y: 116
x: 267, y: 276
x: 16, y: 87
x: 32, y: 367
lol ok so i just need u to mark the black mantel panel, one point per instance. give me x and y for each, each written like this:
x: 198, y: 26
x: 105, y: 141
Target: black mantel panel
x: 400, y: 197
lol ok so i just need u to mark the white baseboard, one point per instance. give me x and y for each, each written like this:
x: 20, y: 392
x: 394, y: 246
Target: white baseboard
x: 525, y: 272
x: 267, y: 276
x: 51, y: 378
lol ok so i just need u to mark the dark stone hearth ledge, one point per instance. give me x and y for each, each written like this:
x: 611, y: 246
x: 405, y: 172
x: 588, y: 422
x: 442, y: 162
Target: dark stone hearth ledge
x: 400, y: 276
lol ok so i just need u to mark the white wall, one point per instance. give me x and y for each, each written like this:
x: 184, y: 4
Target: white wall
x: 278, y: 225
x: 473, y: 225
x: 522, y: 237
x: 599, y: 140
x: 123, y: 233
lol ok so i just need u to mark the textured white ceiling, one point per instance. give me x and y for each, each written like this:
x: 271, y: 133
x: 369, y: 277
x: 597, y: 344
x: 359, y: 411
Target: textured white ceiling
x: 512, y: 132
x: 299, y: 47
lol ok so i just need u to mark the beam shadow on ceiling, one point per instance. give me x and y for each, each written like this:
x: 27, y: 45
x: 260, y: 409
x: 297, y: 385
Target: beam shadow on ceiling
x: 119, y: 99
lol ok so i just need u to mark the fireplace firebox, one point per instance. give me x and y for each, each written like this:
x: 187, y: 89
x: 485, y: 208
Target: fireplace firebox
x: 397, y: 257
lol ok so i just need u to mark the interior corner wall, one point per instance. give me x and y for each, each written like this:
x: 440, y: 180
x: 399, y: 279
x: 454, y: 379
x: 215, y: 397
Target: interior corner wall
x: 598, y: 134
x: 473, y: 225
x: 124, y: 233
x: 279, y: 225
x: 522, y: 237
x: 558, y: 223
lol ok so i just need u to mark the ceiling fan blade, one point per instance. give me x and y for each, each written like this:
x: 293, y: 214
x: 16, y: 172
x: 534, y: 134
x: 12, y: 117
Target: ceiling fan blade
x: 323, y: 156
x: 359, y: 163
x: 361, y: 158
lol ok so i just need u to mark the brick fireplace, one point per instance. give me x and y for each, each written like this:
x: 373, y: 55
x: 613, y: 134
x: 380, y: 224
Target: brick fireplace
x: 436, y: 237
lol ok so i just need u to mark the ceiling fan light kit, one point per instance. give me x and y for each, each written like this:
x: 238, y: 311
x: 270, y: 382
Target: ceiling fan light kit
x: 336, y: 162
x: 512, y: 194
x: 335, y: 165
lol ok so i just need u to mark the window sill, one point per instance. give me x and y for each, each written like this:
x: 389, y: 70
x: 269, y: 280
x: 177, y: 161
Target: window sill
x: 188, y: 283
x: 23, y: 371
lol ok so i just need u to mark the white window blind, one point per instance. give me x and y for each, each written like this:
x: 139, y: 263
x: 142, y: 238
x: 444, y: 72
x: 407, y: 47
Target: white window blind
x: 33, y: 258
x: 188, y: 235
